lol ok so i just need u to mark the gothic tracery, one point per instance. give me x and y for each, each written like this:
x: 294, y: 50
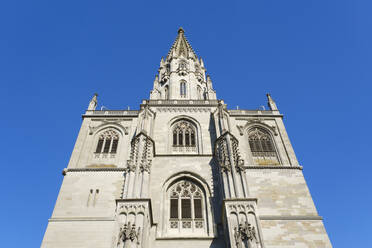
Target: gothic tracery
x: 262, y: 147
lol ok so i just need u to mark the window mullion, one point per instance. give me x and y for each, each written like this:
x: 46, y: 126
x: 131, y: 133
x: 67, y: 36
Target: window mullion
x: 184, y: 137
x: 111, y: 141
x: 104, y: 144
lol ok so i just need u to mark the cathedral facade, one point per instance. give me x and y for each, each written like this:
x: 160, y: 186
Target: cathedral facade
x: 184, y: 171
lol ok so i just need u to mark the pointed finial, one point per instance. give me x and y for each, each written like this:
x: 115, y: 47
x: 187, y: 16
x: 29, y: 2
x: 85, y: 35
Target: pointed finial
x: 180, y: 30
x: 271, y: 103
x: 201, y: 62
x: 161, y: 62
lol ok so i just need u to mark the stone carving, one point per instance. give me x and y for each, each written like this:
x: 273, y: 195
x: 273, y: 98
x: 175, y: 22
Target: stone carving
x: 93, y: 102
x: 128, y: 234
x: 222, y: 154
x: 244, y: 233
x: 130, y: 166
x: 259, y: 121
x: 93, y: 129
x: 185, y: 109
x: 182, y: 68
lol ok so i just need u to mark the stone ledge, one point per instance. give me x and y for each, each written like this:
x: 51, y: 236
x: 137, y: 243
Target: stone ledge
x: 80, y: 219
x: 110, y: 169
x: 290, y: 217
x: 185, y: 238
x: 273, y: 167
x: 184, y: 155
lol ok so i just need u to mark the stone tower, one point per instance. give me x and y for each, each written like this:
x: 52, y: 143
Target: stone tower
x: 184, y: 171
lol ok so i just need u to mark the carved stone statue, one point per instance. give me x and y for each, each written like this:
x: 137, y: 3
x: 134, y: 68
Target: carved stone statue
x: 246, y: 234
x: 93, y: 102
x: 128, y: 236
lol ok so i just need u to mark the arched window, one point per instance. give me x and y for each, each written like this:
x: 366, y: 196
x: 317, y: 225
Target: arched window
x: 262, y: 147
x: 183, y: 89
x: 184, y: 136
x: 186, y: 206
x: 108, y: 142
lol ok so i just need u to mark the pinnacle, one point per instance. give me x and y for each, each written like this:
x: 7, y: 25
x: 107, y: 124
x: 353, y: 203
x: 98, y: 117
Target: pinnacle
x: 180, y: 30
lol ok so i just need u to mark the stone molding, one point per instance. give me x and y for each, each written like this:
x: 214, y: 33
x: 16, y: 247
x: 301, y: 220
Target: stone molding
x: 109, y: 169
x: 274, y: 167
x: 172, y: 103
x: 131, y: 201
x: 116, y: 113
x: 184, y: 109
x: 290, y: 217
x: 184, y: 238
x: 61, y: 219
x: 183, y: 155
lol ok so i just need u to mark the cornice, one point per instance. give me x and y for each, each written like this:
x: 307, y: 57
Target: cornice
x: 62, y: 219
x: 136, y: 200
x: 185, y: 238
x: 241, y: 199
x: 279, y: 167
x: 290, y: 217
x: 108, y: 169
x: 184, y: 155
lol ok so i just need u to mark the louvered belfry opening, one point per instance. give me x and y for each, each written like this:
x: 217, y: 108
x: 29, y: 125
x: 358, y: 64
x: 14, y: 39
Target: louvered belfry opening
x: 186, y: 206
x: 108, y: 142
x: 262, y: 147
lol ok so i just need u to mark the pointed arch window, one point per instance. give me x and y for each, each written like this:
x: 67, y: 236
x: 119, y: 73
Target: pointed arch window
x: 184, y: 136
x: 107, y: 142
x: 183, y: 89
x: 262, y: 147
x: 186, y: 206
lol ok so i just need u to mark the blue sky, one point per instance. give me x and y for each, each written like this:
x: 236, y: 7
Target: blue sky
x: 314, y: 57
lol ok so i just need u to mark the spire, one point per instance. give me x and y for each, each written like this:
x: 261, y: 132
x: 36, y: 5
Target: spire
x: 271, y: 103
x: 181, y: 47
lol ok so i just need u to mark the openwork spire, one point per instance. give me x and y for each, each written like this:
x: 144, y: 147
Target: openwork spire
x: 181, y: 47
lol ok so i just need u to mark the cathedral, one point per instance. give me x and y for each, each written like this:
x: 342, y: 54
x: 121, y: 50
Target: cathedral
x: 184, y: 171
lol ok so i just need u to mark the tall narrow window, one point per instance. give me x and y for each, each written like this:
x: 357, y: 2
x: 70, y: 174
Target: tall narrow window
x: 175, y: 138
x: 107, y: 142
x: 174, y: 208
x: 100, y: 144
x: 106, y: 149
x: 262, y: 147
x: 183, y: 89
x: 197, y: 208
x: 114, y: 146
x: 189, y: 197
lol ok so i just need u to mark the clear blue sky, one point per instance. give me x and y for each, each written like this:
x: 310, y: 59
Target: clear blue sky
x: 314, y: 57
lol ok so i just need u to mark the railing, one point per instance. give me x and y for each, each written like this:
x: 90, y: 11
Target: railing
x: 186, y: 223
x: 244, y: 112
x: 104, y: 155
x: 112, y: 112
x: 184, y: 149
x: 182, y: 102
